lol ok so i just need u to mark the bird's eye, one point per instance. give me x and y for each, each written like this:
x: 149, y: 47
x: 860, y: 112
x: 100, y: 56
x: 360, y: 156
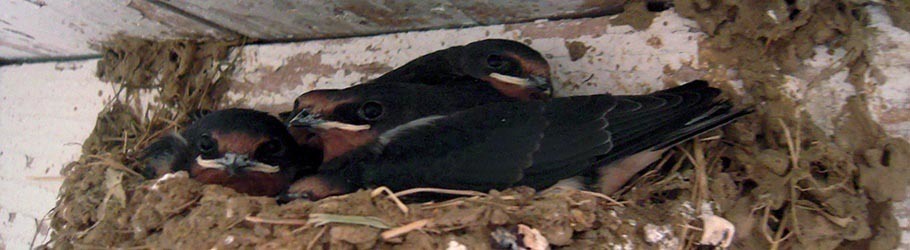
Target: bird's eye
x: 272, y: 148
x: 370, y: 111
x: 496, y: 61
x: 207, y: 145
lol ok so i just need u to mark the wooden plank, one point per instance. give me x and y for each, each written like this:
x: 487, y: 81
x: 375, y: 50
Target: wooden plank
x: 511, y: 11
x: 321, y: 19
x: 38, y: 28
x: 310, y: 20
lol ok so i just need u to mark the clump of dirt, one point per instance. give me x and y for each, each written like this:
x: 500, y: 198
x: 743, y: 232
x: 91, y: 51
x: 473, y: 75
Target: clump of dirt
x: 780, y: 180
x: 900, y: 13
x: 577, y: 49
x: 635, y: 14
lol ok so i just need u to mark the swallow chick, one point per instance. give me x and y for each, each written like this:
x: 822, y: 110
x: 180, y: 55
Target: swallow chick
x: 511, y: 68
x: 246, y: 150
x: 491, y: 70
x: 418, y: 138
x: 337, y: 121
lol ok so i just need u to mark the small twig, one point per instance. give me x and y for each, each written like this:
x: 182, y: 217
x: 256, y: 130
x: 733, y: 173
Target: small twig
x: 697, y: 160
x: 440, y: 191
x: 316, y: 238
x: 764, y: 224
x: 235, y: 223
x: 395, y: 232
x: 110, y: 163
x: 595, y: 194
x: 84, y: 246
x: 294, y: 222
x: 603, y: 196
x: 125, y: 140
x: 184, y: 206
x: 45, y: 178
x: 322, y: 219
x: 674, y: 169
x: 690, y: 227
x: 444, y: 204
x: 300, y: 229
x: 710, y: 138
x: 38, y: 228
x: 580, y: 203
x: 35, y: 236
x: 651, y: 175
x: 715, y: 160
x: 507, y: 197
x: 778, y: 235
x: 686, y: 239
x: 701, y: 170
x: 490, y: 203
x: 392, y: 196
x: 793, y: 146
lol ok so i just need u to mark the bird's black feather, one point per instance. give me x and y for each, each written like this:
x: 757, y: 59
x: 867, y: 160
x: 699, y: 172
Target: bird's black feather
x: 164, y: 155
x: 480, y: 148
x: 537, y: 143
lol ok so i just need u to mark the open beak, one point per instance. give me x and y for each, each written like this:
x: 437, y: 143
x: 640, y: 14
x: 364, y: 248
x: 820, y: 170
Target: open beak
x: 534, y: 82
x: 235, y: 163
x: 306, y: 119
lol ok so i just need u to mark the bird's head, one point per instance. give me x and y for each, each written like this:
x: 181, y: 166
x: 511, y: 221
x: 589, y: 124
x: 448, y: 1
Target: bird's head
x: 249, y: 151
x: 340, y: 120
x: 511, y: 67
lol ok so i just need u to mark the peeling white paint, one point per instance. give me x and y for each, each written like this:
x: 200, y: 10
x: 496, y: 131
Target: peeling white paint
x: 890, y: 74
x: 46, y: 112
x: 623, y: 61
x: 821, y: 87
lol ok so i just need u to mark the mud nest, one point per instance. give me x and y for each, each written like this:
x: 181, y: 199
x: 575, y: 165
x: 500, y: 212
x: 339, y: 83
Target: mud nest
x: 778, y: 178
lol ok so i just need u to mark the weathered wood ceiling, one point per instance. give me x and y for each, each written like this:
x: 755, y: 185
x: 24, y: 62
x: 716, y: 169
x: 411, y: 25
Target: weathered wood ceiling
x: 36, y: 29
